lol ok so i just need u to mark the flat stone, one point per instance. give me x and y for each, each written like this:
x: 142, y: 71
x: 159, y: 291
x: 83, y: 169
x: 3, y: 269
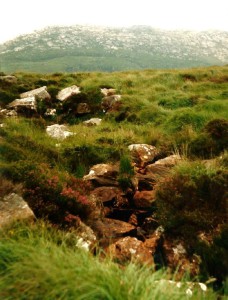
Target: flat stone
x: 14, y: 208
x: 108, y: 92
x: 169, y: 161
x: 29, y: 102
x: 103, y: 174
x: 40, y: 93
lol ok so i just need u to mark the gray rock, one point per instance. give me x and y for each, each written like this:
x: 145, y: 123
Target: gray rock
x: 13, y: 208
x: 29, y: 102
x: 40, y: 93
x: 103, y: 174
x: 169, y: 161
x: 68, y: 92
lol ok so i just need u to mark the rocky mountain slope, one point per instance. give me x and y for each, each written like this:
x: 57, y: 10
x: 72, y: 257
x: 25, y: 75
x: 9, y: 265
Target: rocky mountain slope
x: 89, y: 48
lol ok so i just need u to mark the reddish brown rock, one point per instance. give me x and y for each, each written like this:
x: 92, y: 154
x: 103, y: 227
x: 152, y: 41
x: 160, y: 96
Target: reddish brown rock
x: 130, y: 249
x: 144, y: 199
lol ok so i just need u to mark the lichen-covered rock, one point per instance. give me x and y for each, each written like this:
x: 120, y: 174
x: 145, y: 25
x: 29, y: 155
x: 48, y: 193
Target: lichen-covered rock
x: 130, y: 249
x: 66, y: 93
x: 40, y: 93
x: 142, y: 153
x: 103, y: 174
x: 29, y: 103
x: 93, y: 122
x: 83, y: 108
x: 59, y: 132
x: 13, y: 208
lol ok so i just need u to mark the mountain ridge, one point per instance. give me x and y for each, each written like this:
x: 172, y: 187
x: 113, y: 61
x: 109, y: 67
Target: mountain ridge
x: 94, y: 48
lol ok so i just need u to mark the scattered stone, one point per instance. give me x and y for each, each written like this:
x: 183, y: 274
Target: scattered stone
x: 58, y: 131
x: 103, y: 174
x: 83, y: 108
x: 142, y: 153
x: 66, y: 93
x: 29, y: 103
x: 13, y: 208
x: 40, y: 93
x: 130, y: 249
x: 144, y: 199
x: 93, y: 122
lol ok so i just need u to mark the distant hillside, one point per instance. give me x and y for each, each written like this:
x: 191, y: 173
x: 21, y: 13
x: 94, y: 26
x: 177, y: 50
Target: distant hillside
x: 88, y: 48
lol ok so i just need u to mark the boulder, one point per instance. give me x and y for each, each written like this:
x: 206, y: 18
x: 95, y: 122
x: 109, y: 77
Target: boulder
x: 40, y: 93
x: 103, y: 174
x: 29, y: 103
x: 142, y: 153
x: 83, y: 108
x: 93, y: 122
x: 66, y: 93
x: 59, y: 132
x: 157, y: 171
x: 10, y: 79
x: 144, y: 199
x: 130, y: 249
x: 13, y: 208
x: 109, y: 229
x: 108, y: 92
x: 109, y: 101
x: 169, y: 161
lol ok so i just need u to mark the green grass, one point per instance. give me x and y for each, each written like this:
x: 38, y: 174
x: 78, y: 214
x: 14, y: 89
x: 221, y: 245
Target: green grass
x: 38, y: 262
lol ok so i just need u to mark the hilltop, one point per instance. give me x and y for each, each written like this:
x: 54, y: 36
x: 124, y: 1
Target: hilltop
x: 90, y: 48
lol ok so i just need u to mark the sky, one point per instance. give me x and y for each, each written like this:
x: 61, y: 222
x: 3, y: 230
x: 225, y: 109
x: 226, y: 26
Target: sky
x: 24, y: 16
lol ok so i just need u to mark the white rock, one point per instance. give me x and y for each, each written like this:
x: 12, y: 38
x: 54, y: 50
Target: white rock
x: 93, y: 122
x: 40, y: 93
x: 58, y: 131
x: 67, y: 92
x: 29, y: 102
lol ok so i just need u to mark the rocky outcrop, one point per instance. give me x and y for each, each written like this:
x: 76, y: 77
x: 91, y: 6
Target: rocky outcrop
x: 93, y: 122
x: 66, y: 93
x: 40, y: 93
x: 14, y: 208
x: 59, y: 132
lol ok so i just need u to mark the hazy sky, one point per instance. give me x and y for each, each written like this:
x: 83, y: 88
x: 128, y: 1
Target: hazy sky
x: 24, y: 16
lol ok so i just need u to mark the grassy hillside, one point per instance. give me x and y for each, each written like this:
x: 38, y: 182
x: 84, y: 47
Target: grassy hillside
x: 179, y: 111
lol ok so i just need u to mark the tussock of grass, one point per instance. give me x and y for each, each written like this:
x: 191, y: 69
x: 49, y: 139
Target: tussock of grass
x: 38, y: 262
